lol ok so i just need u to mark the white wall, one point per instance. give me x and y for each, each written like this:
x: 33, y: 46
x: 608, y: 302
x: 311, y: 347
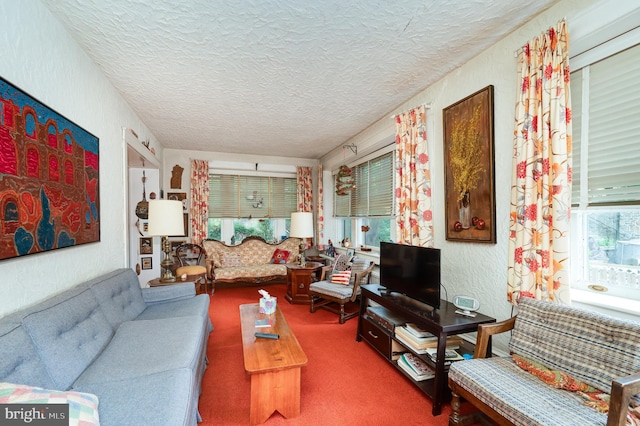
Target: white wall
x: 475, y: 269
x: 136, y: 226
x: 40, y: 57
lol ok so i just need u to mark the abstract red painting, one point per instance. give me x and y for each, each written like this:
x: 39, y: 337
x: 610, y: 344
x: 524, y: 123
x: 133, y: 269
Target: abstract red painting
x: 49, y: 178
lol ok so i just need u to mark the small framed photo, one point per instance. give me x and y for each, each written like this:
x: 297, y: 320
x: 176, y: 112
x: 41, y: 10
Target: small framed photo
x: 179, y: 196
x: 147, y: 262
x: 146, y: 245
x: 145, y: 226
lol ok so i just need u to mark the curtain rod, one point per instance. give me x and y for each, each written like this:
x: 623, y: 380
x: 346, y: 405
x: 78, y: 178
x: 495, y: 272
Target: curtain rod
x: 426, y: 106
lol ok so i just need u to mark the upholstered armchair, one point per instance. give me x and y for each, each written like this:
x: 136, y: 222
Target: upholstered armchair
x: 339, y: 285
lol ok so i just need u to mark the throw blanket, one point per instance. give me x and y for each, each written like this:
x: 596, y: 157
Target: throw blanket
x: 592, y: 397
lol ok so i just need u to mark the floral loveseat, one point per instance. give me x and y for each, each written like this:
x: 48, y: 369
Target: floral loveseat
x: 253, y: 260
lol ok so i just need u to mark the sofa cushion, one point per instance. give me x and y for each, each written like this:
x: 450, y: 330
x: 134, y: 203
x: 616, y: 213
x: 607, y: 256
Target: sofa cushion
x: 198, y: 306
x: 83, y: 407
x: 68, y: 336
x: 251, y: 272
x: 521, y: 397
x: 590, y: 347
x: 19, y: 360
x: 339, y: 291
x: 230, y: 260
x: 139, y: 348
x: 166, y: 398
x: 119, y: 297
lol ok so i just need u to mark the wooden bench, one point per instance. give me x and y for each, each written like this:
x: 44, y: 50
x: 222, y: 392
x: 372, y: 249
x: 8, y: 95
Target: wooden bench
x: 594, y: 349
x: 274, y: 365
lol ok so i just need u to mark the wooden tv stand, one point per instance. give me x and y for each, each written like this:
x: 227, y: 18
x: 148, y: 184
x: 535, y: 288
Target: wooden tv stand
x: 441, y: 322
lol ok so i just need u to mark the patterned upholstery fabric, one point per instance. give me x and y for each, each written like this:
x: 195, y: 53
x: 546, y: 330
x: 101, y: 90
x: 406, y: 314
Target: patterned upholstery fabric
x: 520, y: 397
x: 254, y: 256
x: 591, y: 347
x: 340, y: 291
x: 250, y: 272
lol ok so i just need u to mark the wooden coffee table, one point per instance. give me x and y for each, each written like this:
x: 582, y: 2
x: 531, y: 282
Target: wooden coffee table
x: 274, y: 365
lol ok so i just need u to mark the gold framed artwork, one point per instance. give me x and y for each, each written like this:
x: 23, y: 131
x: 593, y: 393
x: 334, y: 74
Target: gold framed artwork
x: 469, y: 169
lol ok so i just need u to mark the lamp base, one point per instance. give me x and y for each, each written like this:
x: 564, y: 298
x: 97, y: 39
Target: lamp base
x: 167, y: 263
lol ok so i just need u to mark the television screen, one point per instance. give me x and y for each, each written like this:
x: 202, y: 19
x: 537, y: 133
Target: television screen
x: 411, y: 270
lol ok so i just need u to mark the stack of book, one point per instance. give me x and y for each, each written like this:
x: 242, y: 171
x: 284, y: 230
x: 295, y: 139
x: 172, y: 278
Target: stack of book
x: 415, y: 367
x: 420, y: 340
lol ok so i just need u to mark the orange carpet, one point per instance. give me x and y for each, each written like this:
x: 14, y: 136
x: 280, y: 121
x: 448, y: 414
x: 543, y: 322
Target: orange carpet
x: 344, y: 383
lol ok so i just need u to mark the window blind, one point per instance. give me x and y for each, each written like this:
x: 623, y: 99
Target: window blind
x: 232, y: 196
x: 612, y: 141
x: 373, y: 194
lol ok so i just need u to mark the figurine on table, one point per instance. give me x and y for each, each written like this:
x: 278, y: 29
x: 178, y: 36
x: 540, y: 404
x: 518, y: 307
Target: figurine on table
x: 330, y: 250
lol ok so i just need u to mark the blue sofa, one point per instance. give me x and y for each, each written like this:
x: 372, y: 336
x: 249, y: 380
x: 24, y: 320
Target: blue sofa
x: 142, y: 352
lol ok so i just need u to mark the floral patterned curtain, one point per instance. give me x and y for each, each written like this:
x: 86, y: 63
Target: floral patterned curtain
x: 414, y: 221
x: 199, y: 204
x: 541, y: 175
x: 305, y: 190
x: 320, y: 209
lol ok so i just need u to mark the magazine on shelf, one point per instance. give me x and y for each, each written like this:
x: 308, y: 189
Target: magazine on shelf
x: 411, y: 345
x: 420, y: 344
x: 415, y: 367
x: 417, y: 331
x: 418, y: 341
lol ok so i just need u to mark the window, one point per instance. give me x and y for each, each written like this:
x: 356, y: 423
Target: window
x: 370, y: 203
x: 605, y: 217
x: 242, y: 206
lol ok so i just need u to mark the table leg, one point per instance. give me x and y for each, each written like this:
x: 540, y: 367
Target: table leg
x: 275, y: 391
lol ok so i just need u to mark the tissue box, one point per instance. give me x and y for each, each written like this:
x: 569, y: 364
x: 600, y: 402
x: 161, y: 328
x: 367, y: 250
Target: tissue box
x: 268, y: 306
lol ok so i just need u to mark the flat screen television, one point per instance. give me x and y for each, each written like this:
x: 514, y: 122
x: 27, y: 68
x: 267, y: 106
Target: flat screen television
x: 411, y: 270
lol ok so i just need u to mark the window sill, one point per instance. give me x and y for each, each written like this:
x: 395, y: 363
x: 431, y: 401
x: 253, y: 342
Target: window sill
x: 611, y: 305
x: 373, y: 255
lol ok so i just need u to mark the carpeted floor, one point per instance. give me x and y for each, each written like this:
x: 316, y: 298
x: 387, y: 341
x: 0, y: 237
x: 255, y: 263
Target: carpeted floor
x: 344, y: 382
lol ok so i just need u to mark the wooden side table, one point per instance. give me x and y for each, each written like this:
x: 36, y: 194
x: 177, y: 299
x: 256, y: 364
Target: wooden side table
x: 298, y: 280
x: 157, y: 283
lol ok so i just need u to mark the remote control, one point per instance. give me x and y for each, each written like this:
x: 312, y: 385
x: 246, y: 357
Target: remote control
x: 268, y: 335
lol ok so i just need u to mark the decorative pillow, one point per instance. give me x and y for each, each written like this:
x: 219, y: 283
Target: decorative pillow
x: 83, y: 407
x: 279, y: 256
x: 229, y: 260
x: 591, y: 397
x: 341, y: 263
x: 340, y: 277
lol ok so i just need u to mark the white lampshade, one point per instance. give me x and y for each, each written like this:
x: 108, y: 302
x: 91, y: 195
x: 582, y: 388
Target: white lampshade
x: 165, y: 218
x: 301, y: 225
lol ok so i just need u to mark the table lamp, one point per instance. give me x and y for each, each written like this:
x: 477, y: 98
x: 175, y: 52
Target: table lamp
x: 301, y: 227
x: 166, y: 218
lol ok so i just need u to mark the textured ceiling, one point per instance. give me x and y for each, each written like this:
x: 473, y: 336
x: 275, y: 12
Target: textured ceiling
x: 279, y: 77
